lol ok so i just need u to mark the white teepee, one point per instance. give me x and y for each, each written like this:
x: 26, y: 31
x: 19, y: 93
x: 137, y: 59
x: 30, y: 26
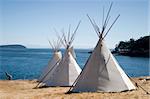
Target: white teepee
x: 102, y: 72
x: 53, y: 63
x: 68, y: 69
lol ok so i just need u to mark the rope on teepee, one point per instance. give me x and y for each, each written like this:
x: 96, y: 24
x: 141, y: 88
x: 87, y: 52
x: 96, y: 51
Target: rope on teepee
x: 47, y: 74
x: 139, y: 85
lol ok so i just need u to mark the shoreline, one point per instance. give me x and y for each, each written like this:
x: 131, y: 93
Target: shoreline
x: 18, y: 89
x: 36, y: 79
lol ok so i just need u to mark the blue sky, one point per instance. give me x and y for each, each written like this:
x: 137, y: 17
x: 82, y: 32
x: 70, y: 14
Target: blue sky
x: 31, y: 22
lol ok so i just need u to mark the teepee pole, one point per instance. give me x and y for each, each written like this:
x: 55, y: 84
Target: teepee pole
x: 93, y: 25
x: 111, y: 25
x: 73, y: 35
x: 97, y: 28
x: 69, y: 32
x: 106, y: 20
x: 103, y: 16
x: 64, y: 38
x: 61, y: 40
x: 51, y: 44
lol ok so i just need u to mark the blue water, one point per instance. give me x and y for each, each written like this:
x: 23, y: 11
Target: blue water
x: 28, y: 63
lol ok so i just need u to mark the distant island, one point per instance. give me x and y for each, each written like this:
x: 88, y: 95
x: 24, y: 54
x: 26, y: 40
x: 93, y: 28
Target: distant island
x: 137, y: 48
x: 14, y: 46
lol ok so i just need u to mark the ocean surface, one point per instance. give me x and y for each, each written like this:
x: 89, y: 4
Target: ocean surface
x: 29, y: 63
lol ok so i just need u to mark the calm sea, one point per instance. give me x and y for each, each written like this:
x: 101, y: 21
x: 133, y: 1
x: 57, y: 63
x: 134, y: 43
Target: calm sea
x: 28, y: 63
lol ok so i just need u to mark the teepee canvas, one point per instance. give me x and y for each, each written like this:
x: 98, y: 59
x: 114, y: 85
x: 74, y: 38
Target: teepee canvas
x: 101, y: 71
x: 53, y: 63
x: 71, y: 49
x: 68, y: 69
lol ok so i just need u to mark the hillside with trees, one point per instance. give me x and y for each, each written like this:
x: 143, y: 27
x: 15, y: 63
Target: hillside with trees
x: 138, y: 48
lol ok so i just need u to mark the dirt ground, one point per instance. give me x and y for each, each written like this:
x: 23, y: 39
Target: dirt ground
x: 24, y: 89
